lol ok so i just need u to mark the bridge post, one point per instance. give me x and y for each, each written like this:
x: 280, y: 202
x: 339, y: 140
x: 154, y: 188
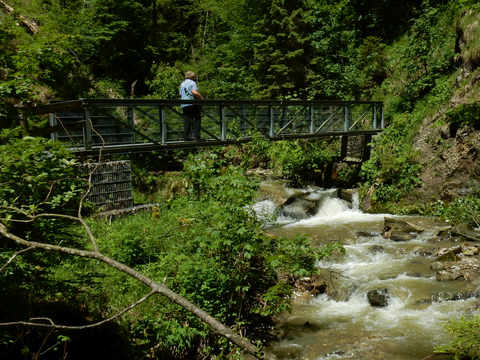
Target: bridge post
x: 163, y: 125
x: 131, y: 121
x: 53, y: 123
x: 223, y: 133
x: 343, y: 146
x: 366, y: 139
x: 271, y: 131
x: 346, y: 118
x: 382, y: 123
x: 374, y: 114
x: 312, y: 119
x: 87, y: 135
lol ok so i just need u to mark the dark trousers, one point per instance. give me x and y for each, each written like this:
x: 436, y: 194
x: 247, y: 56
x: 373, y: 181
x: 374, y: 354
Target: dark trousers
x: 191, y: 122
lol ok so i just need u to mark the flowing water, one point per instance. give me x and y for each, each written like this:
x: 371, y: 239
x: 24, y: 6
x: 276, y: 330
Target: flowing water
x: 322, y: 328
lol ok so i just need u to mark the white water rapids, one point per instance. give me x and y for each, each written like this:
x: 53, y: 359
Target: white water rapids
x: 322, y: 328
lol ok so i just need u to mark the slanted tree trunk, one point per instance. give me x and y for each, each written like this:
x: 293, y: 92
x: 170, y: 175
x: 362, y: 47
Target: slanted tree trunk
x: 30, y: 25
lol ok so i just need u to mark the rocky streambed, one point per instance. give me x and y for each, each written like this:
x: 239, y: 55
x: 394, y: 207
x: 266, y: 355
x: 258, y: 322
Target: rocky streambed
x: 389, y: 296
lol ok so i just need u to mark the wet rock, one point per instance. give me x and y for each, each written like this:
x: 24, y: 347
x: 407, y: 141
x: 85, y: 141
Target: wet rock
x: 470, y: 250
x: 375, y: 249
x: 454, y: 296
x: 437, y: 265
x: 466, y: 269
x: 466, y: 232
x: 339, y: 287
x: 457, y: 252
x: 423, y: 301
x: 398, y: 236
x: 422, y: 251
x: 313, y: 285
x: 273, y: 191
x: 367, y: 233
x: 298, y: 206
x: 448, y: 254
x: 415, y: 275
x: 399, y: 229
x: 347, y: 194
x: 378, y: 297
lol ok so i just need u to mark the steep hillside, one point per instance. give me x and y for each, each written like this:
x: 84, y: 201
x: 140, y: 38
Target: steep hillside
x: 431, y: 148
x: 449, y: 141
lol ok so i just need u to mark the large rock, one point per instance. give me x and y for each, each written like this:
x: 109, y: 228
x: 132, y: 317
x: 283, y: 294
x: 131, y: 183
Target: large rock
x: 466, y: 232
x: 378, y: 297
x: 313, y: 285
x: 454, y: 296
x: 398, y: 229
x: 274, y: 191
x: 304, y: 204
x: 339, y: 287
x: 467, y: 268
x: 299, y: 207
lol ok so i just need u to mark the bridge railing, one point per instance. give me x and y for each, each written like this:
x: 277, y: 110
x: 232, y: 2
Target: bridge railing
x: 88, y: 124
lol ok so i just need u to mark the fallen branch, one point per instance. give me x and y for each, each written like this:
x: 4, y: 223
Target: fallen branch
x: 31, y: 25
x: 14, y: 256
x: 34, y: 322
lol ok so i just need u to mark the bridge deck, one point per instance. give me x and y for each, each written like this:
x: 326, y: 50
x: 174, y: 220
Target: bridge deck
x: 116, y: 125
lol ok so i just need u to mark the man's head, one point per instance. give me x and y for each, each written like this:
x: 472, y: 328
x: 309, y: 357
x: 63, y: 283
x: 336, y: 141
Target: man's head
x: 190, y: 75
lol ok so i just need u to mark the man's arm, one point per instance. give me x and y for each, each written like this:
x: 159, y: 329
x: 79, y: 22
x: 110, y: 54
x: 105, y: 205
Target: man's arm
x: 197, y: 95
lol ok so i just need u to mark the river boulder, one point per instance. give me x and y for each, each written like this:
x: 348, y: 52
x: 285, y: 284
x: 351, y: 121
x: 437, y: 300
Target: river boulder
x: 378, y: 297
x: 466, y: 232
x: 338, y: 287
x: 299, y: 206
x: 466, y: 268
x: 312, y: 285
x: 398, y: 229
x: 454, y: 296
x: 304, y: 204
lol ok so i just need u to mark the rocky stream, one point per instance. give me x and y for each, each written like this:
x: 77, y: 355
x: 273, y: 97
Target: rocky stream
x: 389, y: 296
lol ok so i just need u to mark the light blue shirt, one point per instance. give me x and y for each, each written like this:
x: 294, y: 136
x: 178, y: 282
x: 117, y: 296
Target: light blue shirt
x: 186, y: 91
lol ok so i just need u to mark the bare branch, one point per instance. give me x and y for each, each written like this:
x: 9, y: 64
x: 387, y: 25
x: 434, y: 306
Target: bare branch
x: 32, y: 218
x: 14, y: 256
x: 34, y: 322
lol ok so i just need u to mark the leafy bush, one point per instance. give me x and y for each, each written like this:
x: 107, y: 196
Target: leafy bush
x: 464, y: 210
x: 466, y: 339
x: 43, y: 177
x: 393, y: 168
x: 302, y: 162
x: 464, y: 115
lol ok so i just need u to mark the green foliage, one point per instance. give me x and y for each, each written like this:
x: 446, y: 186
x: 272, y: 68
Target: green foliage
x: 464, y: 210
x: 464, y: 115
x: 393, y: 167
x: 43, y: 177
x: 166, y: 82
x: 302, y: 162
x: 466, y: 339
x: 211, y: 177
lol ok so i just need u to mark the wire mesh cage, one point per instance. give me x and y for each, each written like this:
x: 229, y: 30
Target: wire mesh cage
x: 111, y: 185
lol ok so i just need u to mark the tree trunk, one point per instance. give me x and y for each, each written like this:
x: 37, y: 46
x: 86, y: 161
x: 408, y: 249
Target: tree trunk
x: 30, y: 25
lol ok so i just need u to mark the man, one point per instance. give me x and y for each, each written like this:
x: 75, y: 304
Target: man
x: 191, y: 112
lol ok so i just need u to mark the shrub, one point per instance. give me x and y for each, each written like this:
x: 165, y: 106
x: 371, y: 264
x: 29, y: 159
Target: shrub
x: 302, y: 162
x: 466, y: 339
x: 464, y: 115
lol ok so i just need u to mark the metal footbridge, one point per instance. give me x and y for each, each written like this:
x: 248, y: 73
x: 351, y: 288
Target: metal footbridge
x: 126, y: 125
